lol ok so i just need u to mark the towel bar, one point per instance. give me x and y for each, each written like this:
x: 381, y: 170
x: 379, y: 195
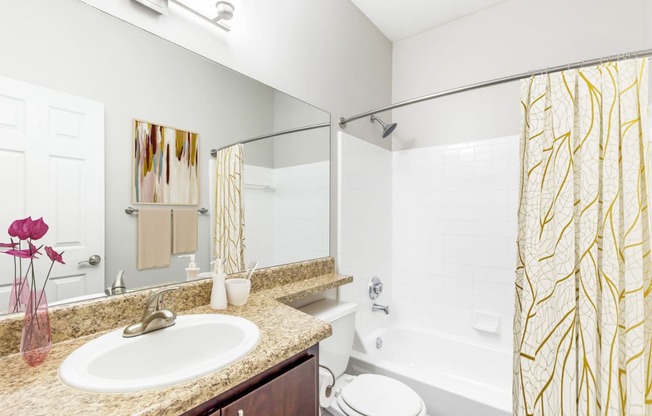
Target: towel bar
x: 132, y: 210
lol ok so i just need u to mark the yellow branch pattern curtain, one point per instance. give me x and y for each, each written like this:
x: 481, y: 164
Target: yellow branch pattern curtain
x: 583, y: 305
x: 228, y: 229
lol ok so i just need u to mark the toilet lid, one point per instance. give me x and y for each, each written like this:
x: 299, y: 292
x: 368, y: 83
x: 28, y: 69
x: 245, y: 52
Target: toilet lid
x: 375, y: 395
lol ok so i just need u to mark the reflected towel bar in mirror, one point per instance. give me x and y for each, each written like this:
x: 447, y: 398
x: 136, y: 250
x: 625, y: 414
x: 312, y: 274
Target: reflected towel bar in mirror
x: 132, y: 210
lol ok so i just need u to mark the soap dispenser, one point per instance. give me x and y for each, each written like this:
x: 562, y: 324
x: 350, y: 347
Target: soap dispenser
x: 192, y: 270
x: 218, y: 294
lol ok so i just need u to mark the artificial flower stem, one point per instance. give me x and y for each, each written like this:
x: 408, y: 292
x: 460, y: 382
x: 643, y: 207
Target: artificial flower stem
x: 44, y: 283
x: 17, y: 302
x: 20, y: 291
x: 31, y: 264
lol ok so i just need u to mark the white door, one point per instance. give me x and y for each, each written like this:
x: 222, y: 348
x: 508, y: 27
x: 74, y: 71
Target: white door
x: 52, y: 166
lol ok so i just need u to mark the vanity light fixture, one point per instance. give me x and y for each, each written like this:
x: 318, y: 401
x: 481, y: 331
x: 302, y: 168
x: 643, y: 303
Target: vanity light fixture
x: 215, y: 13
x: 159, y: 6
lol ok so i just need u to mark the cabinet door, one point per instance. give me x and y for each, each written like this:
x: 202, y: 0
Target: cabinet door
x: 293, y: 393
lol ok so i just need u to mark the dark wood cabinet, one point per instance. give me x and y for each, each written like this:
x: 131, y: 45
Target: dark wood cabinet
x: 292, y: 393
x: 288, y: 388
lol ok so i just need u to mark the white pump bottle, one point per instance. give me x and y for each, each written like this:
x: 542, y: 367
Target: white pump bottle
x: 218, y: 294
x: 192, y: 270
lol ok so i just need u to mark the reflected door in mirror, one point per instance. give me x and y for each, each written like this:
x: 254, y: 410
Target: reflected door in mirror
x: 52, y: 156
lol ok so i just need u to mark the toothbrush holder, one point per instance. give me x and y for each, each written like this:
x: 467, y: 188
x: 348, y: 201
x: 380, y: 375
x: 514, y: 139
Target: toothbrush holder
x: 237, y: 291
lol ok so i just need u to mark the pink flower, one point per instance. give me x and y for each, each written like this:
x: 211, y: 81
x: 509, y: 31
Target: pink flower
x: 33, y: 249
x: 39, y: 229
x: 8, y: 245
x: 23, y: 254
x: 53, y: 255
x: 26, y: 228
x: 21, y: 228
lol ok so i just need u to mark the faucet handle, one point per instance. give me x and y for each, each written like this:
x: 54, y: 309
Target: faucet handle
x: 155, y: 301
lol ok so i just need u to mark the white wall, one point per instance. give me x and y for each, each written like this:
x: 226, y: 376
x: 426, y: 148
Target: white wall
x: 512, y: 37
x: 365, y: 225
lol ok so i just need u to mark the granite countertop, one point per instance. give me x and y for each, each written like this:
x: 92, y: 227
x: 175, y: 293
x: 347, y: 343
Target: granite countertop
x: 284, y: 332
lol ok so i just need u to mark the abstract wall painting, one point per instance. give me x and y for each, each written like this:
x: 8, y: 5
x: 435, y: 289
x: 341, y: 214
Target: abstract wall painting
x: 165, y: 165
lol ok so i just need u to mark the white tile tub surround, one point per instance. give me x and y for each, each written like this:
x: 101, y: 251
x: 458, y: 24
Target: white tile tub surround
x: 301, y: 212
x: 454, y: 236
x: 291, y: 223
x: 365, y: 217
x: 259, y: 221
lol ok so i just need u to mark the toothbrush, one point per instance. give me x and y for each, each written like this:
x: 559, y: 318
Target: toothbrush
x: 251, y: 269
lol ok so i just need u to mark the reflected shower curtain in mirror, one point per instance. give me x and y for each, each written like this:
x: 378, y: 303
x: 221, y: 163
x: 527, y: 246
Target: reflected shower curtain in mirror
x: 582, y: 325
x: 228, y: 229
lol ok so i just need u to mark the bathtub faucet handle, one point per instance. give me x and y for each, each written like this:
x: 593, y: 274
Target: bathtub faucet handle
x: 378, y: 308
x: 375, y: 288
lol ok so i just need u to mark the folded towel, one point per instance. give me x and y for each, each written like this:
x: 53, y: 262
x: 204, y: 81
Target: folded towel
x: 184, y: 231
x: 154, y: 238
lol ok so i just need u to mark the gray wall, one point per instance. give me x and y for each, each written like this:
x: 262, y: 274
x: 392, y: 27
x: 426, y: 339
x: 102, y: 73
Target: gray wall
x: 70, y: 47
x: 259, y: 153
x: 293, y: 148
x: 324, y: 52
x: 298, y: 148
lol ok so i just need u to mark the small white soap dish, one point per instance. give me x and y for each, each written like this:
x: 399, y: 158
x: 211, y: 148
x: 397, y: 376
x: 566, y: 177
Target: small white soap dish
x: 486, y: 322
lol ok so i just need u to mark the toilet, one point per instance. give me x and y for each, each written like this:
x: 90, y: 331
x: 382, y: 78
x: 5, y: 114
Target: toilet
x: 363, y: 395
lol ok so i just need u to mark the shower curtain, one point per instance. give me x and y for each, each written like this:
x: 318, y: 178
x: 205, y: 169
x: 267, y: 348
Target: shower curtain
x: 582, y: 326
x: 228, y: 229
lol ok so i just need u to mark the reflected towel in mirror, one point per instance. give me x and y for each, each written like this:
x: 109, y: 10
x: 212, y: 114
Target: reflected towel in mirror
x: 154, y: 238
x: 184, y: 231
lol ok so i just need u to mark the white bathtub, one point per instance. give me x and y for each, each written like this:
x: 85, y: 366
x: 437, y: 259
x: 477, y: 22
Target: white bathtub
x: 454, y: 377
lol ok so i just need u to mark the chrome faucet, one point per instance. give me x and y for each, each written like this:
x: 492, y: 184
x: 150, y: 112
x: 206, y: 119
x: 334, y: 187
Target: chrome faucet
x: 118, y: 287
x: 376, y: 308
x: 154, y: 317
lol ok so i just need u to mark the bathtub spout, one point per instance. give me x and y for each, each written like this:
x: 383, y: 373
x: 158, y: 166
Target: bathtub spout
x: 376, y: 308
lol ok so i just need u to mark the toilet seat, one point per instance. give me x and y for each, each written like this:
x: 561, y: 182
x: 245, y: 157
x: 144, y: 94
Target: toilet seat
x: 375, y: 395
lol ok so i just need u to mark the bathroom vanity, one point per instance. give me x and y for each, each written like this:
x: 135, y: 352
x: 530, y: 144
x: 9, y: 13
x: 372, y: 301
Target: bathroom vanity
x: 279, y: 375
x: 288, y: 388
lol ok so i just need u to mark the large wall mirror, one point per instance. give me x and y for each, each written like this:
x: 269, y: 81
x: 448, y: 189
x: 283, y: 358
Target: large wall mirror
x: 72, y: 82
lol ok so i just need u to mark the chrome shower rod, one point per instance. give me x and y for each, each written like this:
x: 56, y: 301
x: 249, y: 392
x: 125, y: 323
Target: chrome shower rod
x: 278, y: 133
x: 498, y: 81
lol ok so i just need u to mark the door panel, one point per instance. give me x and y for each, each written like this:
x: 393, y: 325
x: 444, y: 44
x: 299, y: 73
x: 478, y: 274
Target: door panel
x: 12, y: 116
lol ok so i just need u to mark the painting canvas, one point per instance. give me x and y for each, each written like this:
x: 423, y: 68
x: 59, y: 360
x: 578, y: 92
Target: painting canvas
x: 165, y: 168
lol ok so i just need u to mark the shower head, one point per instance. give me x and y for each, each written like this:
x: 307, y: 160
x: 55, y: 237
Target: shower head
x: 224, y: 11
x: 387, y: 128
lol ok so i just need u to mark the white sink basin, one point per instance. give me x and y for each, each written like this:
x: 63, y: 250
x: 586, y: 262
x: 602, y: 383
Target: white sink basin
x: 195, y: 346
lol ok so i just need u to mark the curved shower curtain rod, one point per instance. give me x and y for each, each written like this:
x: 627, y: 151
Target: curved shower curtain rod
x: 278, y: 133
x: 638, y: 54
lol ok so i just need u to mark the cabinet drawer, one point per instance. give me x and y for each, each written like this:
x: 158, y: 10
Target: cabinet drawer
x: 293, y: 393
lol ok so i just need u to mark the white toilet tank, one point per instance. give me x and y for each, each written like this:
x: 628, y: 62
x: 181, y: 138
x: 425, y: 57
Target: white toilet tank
x: 334, y: 352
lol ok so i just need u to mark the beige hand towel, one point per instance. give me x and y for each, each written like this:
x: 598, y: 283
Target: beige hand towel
x: 154, y: 238
x: 184, y: 231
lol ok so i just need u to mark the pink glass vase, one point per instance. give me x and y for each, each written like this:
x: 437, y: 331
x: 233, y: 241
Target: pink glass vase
x: 19, y: 295
x: 35, y: 343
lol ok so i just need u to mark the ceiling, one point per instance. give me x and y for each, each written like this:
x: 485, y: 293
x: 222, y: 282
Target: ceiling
x: 401, y: 19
